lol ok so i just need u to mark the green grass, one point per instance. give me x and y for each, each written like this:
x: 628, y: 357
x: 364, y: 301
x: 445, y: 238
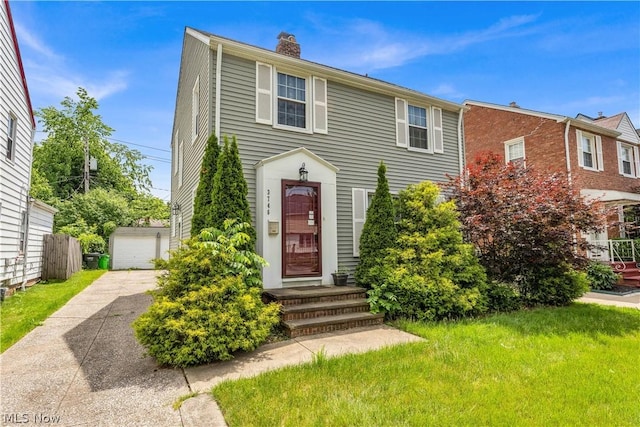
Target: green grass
x: 23, y: 311
x: 576, y: 365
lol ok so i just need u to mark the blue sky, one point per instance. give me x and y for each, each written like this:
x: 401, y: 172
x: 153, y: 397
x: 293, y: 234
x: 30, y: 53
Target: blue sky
x: 558, y: 57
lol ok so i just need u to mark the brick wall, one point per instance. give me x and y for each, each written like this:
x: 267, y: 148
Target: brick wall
x: 487, y: 129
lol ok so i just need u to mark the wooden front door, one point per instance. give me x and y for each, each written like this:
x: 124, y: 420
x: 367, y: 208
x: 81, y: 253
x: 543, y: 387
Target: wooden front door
x: 301, y: 240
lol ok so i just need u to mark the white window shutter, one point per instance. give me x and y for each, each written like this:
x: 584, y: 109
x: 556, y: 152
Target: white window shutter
x: 620, y: 165
x: 438, y: 143
x: 402, y: 131
x: 320, y: 105
x: 599, y: 153
x: 636, y: 159
x: 580, y: 156
x: 264, y: 93
x: 358, y: 205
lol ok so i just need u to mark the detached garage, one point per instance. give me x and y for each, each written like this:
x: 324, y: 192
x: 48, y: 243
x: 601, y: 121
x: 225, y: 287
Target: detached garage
x: 136, y: 247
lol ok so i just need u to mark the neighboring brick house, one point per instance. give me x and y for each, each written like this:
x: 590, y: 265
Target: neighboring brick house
x: 289, y: 113
x: 600, y: 156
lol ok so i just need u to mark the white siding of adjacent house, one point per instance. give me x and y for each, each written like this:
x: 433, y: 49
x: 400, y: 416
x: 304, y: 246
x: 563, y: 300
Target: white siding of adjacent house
x: 629, y: 134
x: 40, y: 223
x: 14, y: 174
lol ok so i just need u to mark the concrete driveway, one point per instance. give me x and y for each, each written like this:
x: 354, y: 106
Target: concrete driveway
x: 83, y: 366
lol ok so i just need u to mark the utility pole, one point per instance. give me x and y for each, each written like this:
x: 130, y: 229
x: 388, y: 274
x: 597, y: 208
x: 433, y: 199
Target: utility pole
x: 86, y: 165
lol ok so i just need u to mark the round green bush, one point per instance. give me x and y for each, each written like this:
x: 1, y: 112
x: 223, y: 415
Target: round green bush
x: 503, y: 297
x: 601, y: 276
x: 207, y: 324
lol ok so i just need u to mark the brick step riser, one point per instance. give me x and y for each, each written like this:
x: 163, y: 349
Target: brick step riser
x: 340, y: 326
x: 322, y: 312
x: 325, y: 298
x: 626, y: 282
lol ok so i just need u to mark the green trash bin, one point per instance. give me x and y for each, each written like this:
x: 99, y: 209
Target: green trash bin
x: 103, y: 263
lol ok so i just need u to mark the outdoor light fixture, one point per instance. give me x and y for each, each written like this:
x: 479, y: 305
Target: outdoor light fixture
x: 304, y: 173
x: 175, y: 208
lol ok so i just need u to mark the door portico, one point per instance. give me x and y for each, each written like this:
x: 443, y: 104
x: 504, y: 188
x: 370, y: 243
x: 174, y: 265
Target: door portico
x: 296, y: 221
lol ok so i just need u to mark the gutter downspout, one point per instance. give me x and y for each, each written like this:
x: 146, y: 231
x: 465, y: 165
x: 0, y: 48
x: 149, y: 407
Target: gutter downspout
x: 460, y: 144
x: 566, y: 149
x: 218, y: 90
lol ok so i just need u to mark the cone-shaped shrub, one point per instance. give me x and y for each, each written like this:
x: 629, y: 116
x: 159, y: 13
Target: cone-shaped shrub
x: 379, y: 231
x: 202, y: 206
x: 229, y: 198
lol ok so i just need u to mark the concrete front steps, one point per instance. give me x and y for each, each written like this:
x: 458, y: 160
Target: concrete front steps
x: 310, y: 310
x: 630, y: 273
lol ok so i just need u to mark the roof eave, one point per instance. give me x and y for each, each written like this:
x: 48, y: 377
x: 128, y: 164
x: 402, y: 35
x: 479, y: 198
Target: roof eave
x: 246, y: 51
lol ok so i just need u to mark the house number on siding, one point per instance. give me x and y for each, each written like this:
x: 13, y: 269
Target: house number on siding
x: 268, y: 201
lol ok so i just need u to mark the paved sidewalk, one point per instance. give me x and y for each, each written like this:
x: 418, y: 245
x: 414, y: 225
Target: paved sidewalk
x: 84, y: 367
x: 631, y: 301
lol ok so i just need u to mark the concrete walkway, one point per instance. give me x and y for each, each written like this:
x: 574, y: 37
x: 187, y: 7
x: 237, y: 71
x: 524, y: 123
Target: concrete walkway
x: 631, y: 301
x: 84, y: 367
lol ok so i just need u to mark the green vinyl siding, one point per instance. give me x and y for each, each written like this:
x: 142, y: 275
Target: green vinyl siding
x: 361, y: 133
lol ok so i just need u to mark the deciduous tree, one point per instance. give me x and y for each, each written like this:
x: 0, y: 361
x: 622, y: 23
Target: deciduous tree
x: 526, y: 226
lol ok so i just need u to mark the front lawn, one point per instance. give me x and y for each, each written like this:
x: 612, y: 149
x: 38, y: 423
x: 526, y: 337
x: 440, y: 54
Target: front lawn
x: 576, y: 365
x: 23, y: 311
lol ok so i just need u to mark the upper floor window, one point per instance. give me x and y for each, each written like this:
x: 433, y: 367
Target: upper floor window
x: 290, y: 102
x: 195, y: 110
x: 180, y: 163
x: 419, y: 127
x: 11, y: 137
x: 628, y: 160
x: 514, y: 151
x: 589, y: 151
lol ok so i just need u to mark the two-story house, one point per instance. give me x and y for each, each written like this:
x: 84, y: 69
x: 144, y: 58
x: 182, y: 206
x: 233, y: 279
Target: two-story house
x: 310, y: 138
x: 23, y: 220
x: 600, y: 156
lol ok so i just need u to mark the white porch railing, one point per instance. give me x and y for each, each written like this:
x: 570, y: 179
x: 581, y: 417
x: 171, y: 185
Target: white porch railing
x: 615, y: 250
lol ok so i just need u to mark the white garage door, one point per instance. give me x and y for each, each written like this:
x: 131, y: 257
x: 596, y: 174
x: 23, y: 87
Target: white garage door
x: 133, y: 252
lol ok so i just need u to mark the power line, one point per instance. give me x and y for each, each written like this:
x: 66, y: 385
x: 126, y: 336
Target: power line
x: 157, y: 159
x: 139, y: 145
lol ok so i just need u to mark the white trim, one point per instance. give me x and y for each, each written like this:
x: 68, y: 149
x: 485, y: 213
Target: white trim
x: 12, y: 132
x: 195, y: 110
x: 308, y: 95
x: 218, y: 91
x: 636, y: 155
x: 438, y: 132
x: 610, y: 195
x: 402, y: 131
x: 197, y: 35
x: 320, y: 106
x: 264, y: 91
x: 599, y: 152
x: 180, y: 163
x: 175, y: 152
x: 512, y: 142
x: 633, y: 159
x: 358, y: 196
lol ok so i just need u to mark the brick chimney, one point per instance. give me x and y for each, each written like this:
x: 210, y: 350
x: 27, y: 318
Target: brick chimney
x: 287, y: 45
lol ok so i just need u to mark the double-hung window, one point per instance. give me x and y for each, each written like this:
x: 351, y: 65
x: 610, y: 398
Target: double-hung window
x: 418, y: 130
x: 514, y: 151
x: 292, y: 101
x: 11, y: 137
x: 419, y: 127
x: 628, y: 160
x: 589, y: 151
x: 195, y: 110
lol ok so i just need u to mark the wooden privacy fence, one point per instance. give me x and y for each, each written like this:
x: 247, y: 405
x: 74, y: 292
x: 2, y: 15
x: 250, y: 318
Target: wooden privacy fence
x: 62, y: 256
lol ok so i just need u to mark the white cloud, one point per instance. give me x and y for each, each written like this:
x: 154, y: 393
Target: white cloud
x: 48, y: 74
x: 365, y: 45
x: 446, y: 90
